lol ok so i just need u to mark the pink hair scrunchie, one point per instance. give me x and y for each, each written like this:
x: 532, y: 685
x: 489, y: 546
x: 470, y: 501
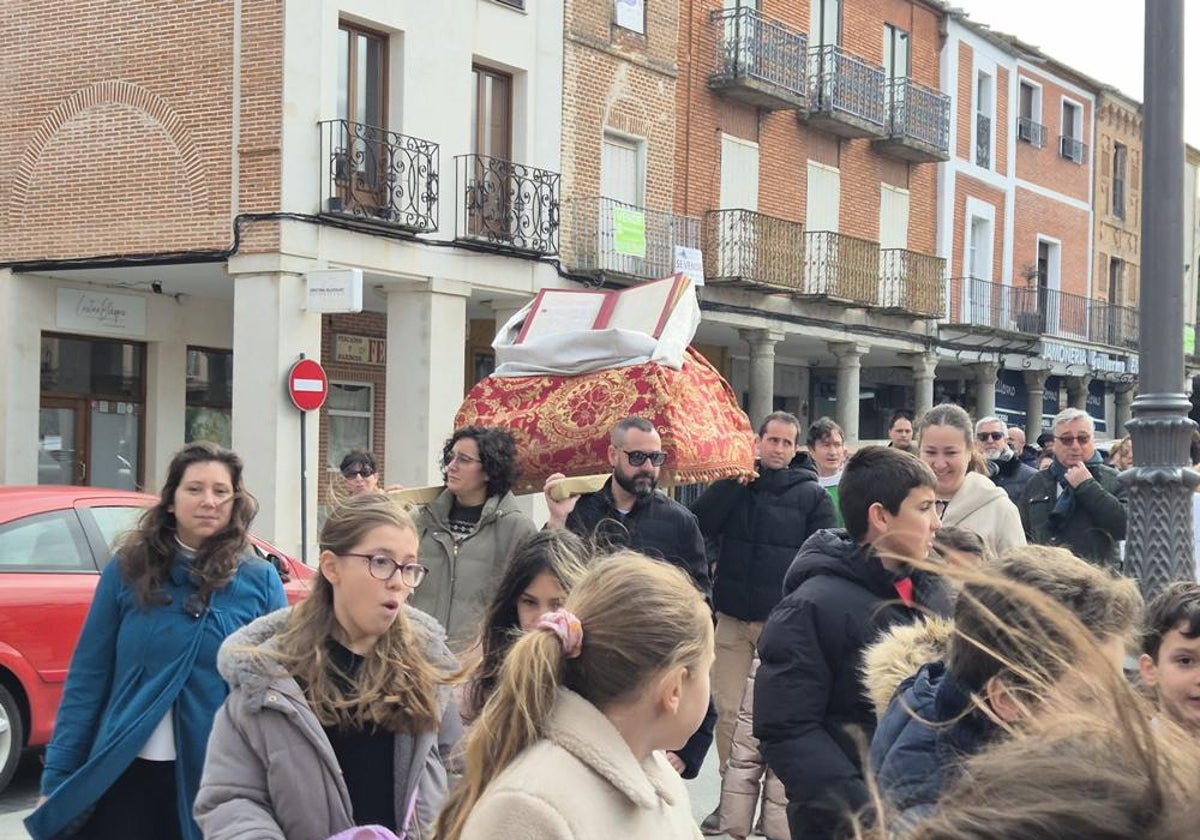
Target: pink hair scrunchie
x: 567, y: 627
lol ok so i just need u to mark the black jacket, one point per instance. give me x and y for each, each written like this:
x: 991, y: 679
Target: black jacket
x: 657, y: 526
x: 760, y: 527
x: 1012, y: 476
x: 808, y: 691
x: 1095, y: 527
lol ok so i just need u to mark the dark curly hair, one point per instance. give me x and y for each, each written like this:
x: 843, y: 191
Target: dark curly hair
x: 497, y: 451
x: 146, y: 553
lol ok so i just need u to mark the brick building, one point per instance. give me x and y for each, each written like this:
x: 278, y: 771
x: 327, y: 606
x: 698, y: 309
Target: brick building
x: 167, y: 181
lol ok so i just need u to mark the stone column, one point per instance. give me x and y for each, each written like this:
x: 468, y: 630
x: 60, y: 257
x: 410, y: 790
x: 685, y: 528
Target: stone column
x: 22, y: 316
x: 985, y: 387
x: 924, y: 368
x: 1077, y: 391
x: 427, y: 337
x: 270, y: 330
x: 1035, y: 389
x: 762, y: 371
x: 1123, y: 405
x: 849, y: 366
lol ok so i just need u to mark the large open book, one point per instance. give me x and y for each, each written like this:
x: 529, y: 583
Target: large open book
x: 643, y: 308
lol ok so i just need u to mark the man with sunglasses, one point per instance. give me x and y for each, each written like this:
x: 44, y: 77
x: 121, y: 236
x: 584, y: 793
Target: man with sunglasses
x: 1004, y: 466
x: 1078, y: 503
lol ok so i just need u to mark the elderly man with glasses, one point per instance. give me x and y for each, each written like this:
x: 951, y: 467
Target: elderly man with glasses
x: 1078, y: 502
x: 1004, y: 466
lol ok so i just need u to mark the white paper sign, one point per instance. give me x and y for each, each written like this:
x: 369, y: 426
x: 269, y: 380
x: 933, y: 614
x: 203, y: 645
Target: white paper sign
x: 334, y: 290
x: 690, y: 263
x: 631, y: 14
x: 99, y: 311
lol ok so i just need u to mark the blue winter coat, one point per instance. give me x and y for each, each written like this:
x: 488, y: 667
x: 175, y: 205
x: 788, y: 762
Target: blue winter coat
x: 131, y: 664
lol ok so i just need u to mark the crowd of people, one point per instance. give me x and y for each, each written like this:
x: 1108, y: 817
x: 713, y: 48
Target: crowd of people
x: 931, y: 639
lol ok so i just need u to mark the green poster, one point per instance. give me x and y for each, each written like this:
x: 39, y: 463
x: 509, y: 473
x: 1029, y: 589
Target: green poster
x: 629, y: 232
x: 1189, y: 340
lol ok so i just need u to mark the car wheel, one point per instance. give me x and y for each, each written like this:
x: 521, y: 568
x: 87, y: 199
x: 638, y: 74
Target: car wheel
x: 12, y: 737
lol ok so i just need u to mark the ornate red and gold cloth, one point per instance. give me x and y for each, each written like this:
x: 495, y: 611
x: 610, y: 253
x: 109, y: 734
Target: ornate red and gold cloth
x: 562, y: 423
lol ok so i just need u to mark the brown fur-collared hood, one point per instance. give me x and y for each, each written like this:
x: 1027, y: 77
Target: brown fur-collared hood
x: 899, y: 653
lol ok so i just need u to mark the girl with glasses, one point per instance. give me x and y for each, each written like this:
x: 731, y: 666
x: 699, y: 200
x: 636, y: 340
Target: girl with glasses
x: 340, y: 712
x: 143, y: 686
x: 469, y: 531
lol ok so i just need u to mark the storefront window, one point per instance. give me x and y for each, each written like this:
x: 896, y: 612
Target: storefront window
x: 209, y: 413
x: 350, y: 419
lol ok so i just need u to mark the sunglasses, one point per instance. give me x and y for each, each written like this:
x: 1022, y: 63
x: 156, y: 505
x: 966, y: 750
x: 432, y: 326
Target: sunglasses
x: 990, y: 435
x: 1068, y: 440
x: 637, y: 458
x: 363, y: 472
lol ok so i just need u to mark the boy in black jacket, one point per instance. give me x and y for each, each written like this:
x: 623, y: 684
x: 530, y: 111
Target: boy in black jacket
x: 843, y: 588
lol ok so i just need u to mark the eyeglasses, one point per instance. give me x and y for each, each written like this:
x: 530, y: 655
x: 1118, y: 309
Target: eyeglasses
x: 637, y: 457
x: 990, y: 435
x: 383, y: 567
x: 1068, y: 440
x: 464, y: 460
x: 363, y: 472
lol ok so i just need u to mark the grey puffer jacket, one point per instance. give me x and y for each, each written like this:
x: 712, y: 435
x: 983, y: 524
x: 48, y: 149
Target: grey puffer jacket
x: 463, y: 573
x: 271, y: 773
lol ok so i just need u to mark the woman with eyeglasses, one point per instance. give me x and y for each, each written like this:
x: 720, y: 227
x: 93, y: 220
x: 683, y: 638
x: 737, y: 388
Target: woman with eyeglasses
x: 469, y: 531
x: 143, y: 686
x: 966, y: 498
x: 340, y: 711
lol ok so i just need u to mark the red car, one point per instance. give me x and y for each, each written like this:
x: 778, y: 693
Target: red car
x: 54, y: 541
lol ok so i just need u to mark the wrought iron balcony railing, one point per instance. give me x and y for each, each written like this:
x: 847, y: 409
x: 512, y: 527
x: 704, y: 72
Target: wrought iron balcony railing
x: 846, y: 90
x: 759, y: 60
x: 742, y: 247
x: 1037, y: 311
x: 842, y: 268
x: 918, y: 121
x: 506, y: 204
x: 379, y: 176
x: 912, y: 282
x: 611, y: 237
x: 1072, y: 149
x: 983, y: 140
x: 1033, y: 133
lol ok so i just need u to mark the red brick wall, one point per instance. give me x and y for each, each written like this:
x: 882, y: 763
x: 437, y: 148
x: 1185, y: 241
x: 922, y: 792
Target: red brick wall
x: 1045, y: 166
x: 965, y: 187
x: 117, y: 127
x: 1035, y: 214
x: 964, y: 116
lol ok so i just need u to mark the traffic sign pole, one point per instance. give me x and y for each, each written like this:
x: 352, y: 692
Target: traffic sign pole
x: 307, y: 386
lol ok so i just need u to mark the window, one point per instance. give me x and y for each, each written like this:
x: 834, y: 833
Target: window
x: 490, y: 184
x: 362, y: 76
x: 491, y: 119
x: 630, y: 14
x: 1116, y: 281
x: 1071, y: 140
x: 45, y: 542
x: 1029, y: 122
x: 209, y: 412
x: 114, y: 522
x: 825, y: 23
x: 1119, y: 158
x: 895, y: 52
x: 983, y: 120
x: 621, y: 170
x: 350, y: 420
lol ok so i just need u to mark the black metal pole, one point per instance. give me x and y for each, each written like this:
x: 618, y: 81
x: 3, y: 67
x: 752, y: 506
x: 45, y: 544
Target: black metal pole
x: 1160, y: 486
x: 303, y: 485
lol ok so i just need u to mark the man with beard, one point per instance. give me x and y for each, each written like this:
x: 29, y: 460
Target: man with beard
x: 1004, y: 466
x: 629, y: 512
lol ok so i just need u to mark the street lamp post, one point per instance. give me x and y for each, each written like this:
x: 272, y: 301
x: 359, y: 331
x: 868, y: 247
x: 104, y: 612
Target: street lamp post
x: 1160, y: 486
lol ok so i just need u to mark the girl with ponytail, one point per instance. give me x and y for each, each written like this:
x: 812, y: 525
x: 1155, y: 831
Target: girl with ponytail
x: 570, y: 744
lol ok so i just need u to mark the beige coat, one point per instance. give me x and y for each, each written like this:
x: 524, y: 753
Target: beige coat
x: 982, y: 507
x: 582, y: 782
x: 743, y: 780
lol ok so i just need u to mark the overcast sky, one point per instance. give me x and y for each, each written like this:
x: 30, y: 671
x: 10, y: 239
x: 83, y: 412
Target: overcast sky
x: 1102, y: 38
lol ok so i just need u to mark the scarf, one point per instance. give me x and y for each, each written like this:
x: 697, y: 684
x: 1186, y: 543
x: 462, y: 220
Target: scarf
x: 1065, y: 506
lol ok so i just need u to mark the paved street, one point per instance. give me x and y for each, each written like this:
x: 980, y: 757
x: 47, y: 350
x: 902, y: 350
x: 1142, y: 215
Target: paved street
x: 18, y: 800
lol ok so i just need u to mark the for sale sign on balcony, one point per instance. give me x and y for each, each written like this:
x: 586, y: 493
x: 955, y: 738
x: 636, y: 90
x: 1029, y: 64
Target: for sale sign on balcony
x: 629, y: 232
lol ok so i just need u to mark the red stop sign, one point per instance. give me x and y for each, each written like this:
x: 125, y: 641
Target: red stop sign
x: 307, y: 385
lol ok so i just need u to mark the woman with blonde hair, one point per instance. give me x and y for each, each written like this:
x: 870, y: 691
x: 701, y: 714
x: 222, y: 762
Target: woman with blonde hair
x: 340, y: 712
x: 570, y: 744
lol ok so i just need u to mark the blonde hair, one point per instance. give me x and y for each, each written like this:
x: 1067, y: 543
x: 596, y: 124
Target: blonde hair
x: 639, y: 616
x: 396, y: 686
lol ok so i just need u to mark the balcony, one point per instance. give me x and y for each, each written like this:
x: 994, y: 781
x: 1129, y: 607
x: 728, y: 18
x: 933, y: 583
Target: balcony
x: 506, y: 205
x: 611, y: 238
x: 911, y: 283
x: 1033, y: 133
x: 1041, y: 312
x: 845, y: 94
x: 759, y: 61
x: 1072, y: 149
x: 841, y: 269
x: 983, y: 140
x: 377, y: 176
x: 918, y: 123
x: 744, y: 248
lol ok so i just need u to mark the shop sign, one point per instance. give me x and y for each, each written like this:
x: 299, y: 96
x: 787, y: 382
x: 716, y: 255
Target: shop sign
x: 1095, y: 404
x: 1095, y: 360
x: 1049, y: 403
x: 690, y: 263
x: 98, y: 311
x: 334, y: 290
x: 359, y: 350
